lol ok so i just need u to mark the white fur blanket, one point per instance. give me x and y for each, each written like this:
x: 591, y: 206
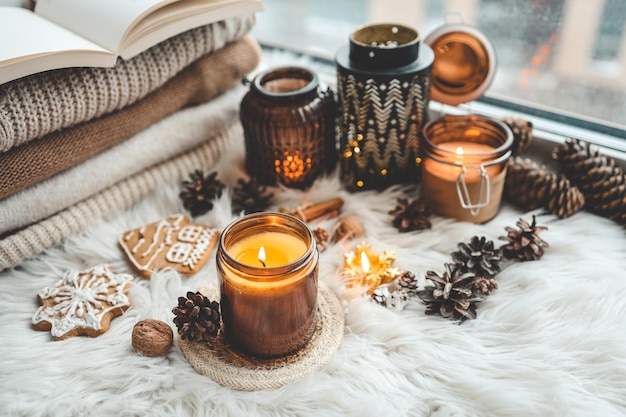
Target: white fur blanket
x: 551, y: 341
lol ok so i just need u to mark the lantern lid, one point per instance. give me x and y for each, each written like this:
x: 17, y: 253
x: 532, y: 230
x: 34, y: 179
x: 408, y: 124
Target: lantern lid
x: 384, y: 45
x: 464, y: 65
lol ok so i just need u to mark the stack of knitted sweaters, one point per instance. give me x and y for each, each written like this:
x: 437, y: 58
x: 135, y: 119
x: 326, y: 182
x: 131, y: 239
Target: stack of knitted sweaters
x: 82, y: 144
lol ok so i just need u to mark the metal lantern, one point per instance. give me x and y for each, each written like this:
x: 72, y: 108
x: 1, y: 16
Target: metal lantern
x: 383, y: 86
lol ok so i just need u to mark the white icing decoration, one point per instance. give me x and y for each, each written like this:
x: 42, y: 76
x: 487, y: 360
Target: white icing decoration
x: 190, y: 233
x: 178, y: 253
x: 83, y: 299
x: 163, y: 224
x: 199, y: 249
x: 138, y: 245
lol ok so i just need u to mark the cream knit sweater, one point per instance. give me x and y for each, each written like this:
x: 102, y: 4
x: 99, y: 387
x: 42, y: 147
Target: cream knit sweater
x: 33, y: 106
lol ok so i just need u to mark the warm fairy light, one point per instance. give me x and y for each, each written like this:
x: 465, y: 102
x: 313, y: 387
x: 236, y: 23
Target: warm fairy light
x: 366, y: 268
x: 261, y: 256
x: 365, y: 263
x: 459, y: 150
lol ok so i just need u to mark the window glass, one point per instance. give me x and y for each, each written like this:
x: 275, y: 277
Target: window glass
x: 561, y: 56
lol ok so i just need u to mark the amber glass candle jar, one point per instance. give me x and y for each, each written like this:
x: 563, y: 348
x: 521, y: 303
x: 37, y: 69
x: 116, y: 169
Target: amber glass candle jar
x: 464, y: 166
x: 267, y: 265
x: 289, y: 127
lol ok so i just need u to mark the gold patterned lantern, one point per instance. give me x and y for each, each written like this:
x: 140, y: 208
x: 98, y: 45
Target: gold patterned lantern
x: 383, y: 86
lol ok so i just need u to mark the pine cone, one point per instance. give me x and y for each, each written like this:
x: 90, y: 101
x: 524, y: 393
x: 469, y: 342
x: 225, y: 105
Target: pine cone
x: 600, y: 178
x: 451, y: 295
x: 250, y: 197
x: 524, y: 243
x: 197, y: 318
x: 522, y: 133
x: 410, y: 216
x: 199, y: 192
x: 408, y: 283
x: 321, y: 238
x: 479, y: 257
x: 531, y: 186
x: 395, y: 300
x: 485, y: 286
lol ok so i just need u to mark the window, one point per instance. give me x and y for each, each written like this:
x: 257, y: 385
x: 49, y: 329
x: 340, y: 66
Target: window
x: 562, y: 58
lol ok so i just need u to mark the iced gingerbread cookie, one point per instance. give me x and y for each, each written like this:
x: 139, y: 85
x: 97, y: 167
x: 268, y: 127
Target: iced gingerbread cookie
x: 82, y: 303
x: 173, y: 242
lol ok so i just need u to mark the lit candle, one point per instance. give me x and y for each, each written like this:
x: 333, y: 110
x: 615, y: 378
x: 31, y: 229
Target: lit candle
x: 267, y: 264
x: 366, y: 268
x: 464, y: 167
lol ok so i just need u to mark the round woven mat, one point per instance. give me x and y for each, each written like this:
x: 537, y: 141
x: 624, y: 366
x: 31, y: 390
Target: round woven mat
x: 233, y: 369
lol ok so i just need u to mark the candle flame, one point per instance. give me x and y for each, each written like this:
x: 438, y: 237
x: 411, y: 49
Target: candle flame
x: 261, y: 256
x: 365, y: 263
x: 459, y: 150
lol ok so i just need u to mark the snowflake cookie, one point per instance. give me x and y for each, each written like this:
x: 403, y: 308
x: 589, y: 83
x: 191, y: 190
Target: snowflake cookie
x: 173, y: 242
x: 82, y: 303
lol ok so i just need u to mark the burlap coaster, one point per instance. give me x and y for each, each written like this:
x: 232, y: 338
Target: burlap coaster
x: 233, y: 369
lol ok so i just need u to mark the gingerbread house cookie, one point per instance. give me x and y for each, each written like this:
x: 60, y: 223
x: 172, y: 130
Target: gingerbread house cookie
x: 173, y: 242
x: 82, y: 303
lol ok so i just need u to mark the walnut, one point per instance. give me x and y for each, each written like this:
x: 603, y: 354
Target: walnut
x: 152, y: 337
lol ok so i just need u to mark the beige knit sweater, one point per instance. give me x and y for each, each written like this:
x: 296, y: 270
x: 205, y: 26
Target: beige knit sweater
x: 36, y: 105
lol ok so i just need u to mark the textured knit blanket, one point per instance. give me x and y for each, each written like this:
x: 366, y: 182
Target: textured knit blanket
x: 42, y: 103
x: 40, y: 159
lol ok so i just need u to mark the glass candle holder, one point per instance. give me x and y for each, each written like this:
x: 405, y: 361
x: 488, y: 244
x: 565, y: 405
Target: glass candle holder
x: 464, y: 166
x: 289, y: 127
x: 383, y: 87
x: 267, y: 265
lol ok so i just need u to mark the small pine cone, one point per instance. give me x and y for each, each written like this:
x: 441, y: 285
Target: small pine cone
x: 199, y: 192
x: 451, y: 295
x: 322, y: 237
x: 479, y: 257
x: 485, y: 286
x: 197, y: 318
x: 522, y: 133
x: 250, y: 197
x: 395, y: 300
x: 381, y: 296
x: 410, y: 216
x: 408, y: 282
x: 524, y: 243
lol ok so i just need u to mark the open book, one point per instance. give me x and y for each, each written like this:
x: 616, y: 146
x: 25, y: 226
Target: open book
x: 93, y: 33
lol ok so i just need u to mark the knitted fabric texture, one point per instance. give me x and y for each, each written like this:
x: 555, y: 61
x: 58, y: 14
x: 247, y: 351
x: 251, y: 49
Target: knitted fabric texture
x: 205, y: 78
x: 161, y: 141
x: 108, y: 203
x: 42, y: 103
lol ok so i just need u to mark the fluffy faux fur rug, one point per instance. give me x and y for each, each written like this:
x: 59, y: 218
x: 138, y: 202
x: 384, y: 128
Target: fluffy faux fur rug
x: 549, y: 342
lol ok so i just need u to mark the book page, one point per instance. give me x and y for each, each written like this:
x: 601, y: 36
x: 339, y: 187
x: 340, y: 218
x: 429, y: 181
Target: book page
x: 183, y: 15
x: 101, y: 21
x: 30, y: 44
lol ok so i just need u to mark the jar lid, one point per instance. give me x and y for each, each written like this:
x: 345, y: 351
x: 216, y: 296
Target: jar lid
x: 464, y: 66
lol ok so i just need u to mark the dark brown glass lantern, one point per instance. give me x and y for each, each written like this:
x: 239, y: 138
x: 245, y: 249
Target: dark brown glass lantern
x: 289, y: 127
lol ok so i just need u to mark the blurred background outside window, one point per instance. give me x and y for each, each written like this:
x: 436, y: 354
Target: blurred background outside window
x: 566, y: 58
